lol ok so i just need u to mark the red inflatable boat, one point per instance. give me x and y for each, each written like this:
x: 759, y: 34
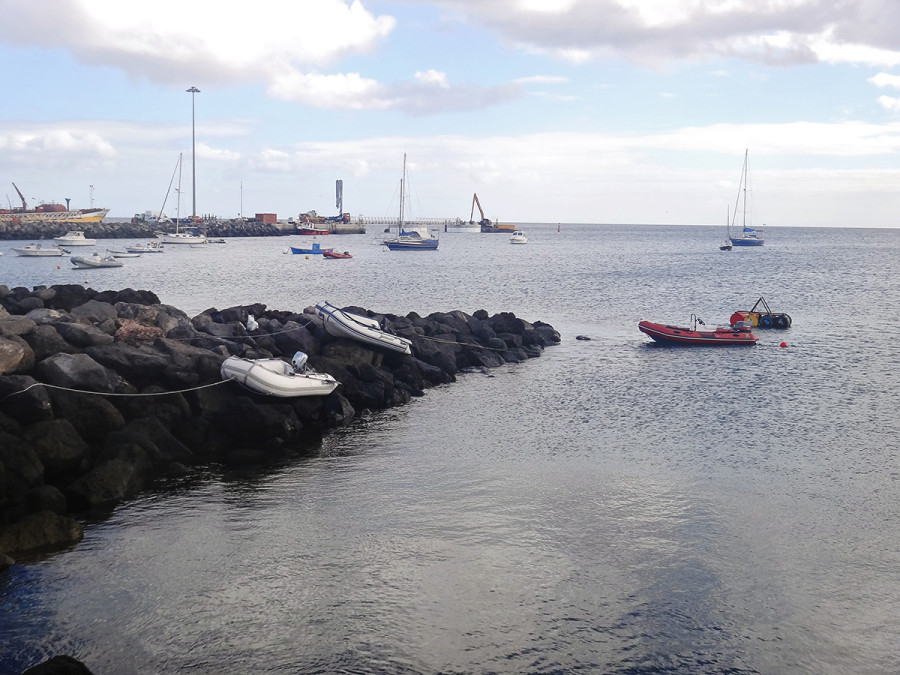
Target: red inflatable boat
x: 739, y: 335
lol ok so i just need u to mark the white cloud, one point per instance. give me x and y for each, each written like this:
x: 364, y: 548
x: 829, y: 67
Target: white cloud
x: 882, y: 80
x: 433, y: 78
x: 889, y: 103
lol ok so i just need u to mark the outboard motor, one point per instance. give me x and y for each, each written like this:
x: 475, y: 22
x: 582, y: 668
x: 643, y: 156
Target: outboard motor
x: 251, y: 323
x: 299, y: 362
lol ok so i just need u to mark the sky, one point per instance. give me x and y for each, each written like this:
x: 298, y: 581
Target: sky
x: 588, y: 111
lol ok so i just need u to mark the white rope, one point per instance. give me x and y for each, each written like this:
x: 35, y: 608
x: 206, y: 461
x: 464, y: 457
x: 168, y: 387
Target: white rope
x: 103, y: 393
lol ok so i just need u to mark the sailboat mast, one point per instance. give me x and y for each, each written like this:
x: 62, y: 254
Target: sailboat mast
x: 402, y: 196
x: 178, y: 201
x: 744, y: 178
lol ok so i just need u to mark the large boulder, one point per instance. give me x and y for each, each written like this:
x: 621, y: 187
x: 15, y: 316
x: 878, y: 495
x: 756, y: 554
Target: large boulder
x: 122, y: 471
x: 46, y: 341
x: 25, y: 399
x: 15, y: 355
x: 76, y: 371
x: 82, y: 334
x: 39, y: 531
x: 59, y: 447
x: 94, y: 311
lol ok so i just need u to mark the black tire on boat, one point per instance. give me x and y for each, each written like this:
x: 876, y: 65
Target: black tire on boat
x: 780, y: 321
x: 765, y: 321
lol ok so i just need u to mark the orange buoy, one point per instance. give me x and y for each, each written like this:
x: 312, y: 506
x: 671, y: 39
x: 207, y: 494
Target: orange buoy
x: 738, y: 316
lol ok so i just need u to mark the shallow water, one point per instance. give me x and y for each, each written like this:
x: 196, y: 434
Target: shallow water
x: 613, y: 506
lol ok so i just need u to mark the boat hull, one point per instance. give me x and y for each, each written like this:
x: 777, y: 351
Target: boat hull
x: 92, y: 262
x: 182, y: 238
x: 74, y: 238
x: 38, y: 251
x: 360, y: 328
x: 677, y: 335
x: 316, y: 249
x: 274, y: 377
x: 53, y: 217
x: 331, y: 255
x: 746, y: 241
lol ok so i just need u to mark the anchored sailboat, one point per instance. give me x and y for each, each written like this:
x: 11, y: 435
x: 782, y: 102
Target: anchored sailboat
x: 749, y: 236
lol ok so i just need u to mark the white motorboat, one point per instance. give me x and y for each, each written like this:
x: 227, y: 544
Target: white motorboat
x: 95, y: 260
x: 74, y: 238
x: 518, y: 237
x: 361, y: 328
x: 278, y: 378
x: 152, y: 247
x: 122, y: 254
x: 38, y: 251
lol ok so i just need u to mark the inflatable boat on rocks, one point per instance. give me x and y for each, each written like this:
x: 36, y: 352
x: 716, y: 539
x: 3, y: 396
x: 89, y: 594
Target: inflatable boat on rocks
x: 275, y: 377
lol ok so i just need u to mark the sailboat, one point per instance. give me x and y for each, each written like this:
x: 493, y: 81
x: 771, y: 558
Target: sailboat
x: 179, y: 237
x: 749, y: 236
x: 727, y: 245
x: 410, y: 238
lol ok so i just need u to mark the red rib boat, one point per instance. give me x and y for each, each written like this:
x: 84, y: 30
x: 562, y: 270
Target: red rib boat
x: 739, y: 335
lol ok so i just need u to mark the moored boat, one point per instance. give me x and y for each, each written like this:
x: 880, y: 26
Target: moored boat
x: 410, y: 237
x: 316, y: 248
x: 54, y: 214
x: 152, y: 247
x: 275, y: 377
x: 761, y: 315
x: 518, y: 237
x: 94, y: 261
x: 332, y: 255
x: 749, y: 236
x: 341, y: 323
x: 679, y: 335
x: 74, y: 238
x: 38, y: 251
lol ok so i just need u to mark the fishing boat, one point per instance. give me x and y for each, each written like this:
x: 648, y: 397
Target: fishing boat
x: 749, y: 236
x: 343, y: 324
x: 49, y: 214
x: 316, y: 248
x: 94, y: 261
x: 307, y: 229
x: 179, y: 236
x: 518, y: 237
x: 74, y: 238
x: 38, y: 251
x: 409, y: 237
x: 678, y: 335
x: 332, y: 255
x: 276, y: 377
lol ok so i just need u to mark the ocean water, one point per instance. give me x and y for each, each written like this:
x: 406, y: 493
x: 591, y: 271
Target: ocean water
x: 613, y: 506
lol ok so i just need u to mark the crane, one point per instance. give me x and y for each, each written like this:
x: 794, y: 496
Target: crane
x: 484, y: 222
x: 22, y: 197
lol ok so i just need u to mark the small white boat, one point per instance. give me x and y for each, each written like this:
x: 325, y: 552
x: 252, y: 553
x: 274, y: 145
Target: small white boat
x: 278, y: 378
x: 123, y: 254
x: 74, y: 238
x: 95, y: 260
x: 152, y: 247
x: 518, y: 237
x: 361, y: 328
x: 38, y: 251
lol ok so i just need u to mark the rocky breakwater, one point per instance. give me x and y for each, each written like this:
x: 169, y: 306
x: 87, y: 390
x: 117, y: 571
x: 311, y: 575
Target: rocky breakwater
x: 101, y: 392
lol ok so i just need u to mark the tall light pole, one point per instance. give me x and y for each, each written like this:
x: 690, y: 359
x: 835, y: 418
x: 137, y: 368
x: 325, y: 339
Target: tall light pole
x: 193, y: 91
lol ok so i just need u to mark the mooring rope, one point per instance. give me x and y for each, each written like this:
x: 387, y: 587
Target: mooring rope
x: 104, y: 393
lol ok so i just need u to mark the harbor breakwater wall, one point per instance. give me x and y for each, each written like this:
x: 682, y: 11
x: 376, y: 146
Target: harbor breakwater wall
x: 148, y: 230
x: 101, y: 392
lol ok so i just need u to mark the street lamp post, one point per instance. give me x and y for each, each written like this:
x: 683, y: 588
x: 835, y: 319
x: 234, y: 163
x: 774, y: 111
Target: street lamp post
x: 193, y: 91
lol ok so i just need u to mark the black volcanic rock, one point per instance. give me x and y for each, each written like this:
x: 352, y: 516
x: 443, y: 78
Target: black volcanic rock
x: 102, y: 392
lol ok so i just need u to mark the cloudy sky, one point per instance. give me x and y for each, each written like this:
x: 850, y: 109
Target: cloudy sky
x: 595, y: 111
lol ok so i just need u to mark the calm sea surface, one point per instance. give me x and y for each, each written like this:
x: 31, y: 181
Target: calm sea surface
x: 611, y: 507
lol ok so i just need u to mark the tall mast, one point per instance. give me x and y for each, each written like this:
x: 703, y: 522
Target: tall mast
x: 402, y: 196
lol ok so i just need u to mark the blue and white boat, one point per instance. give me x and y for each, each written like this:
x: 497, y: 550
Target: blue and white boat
x: 340, y: 323
x: 314, y: 249
x: 412, y: 240
x: 749, y: 236
x: 409, y: 237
